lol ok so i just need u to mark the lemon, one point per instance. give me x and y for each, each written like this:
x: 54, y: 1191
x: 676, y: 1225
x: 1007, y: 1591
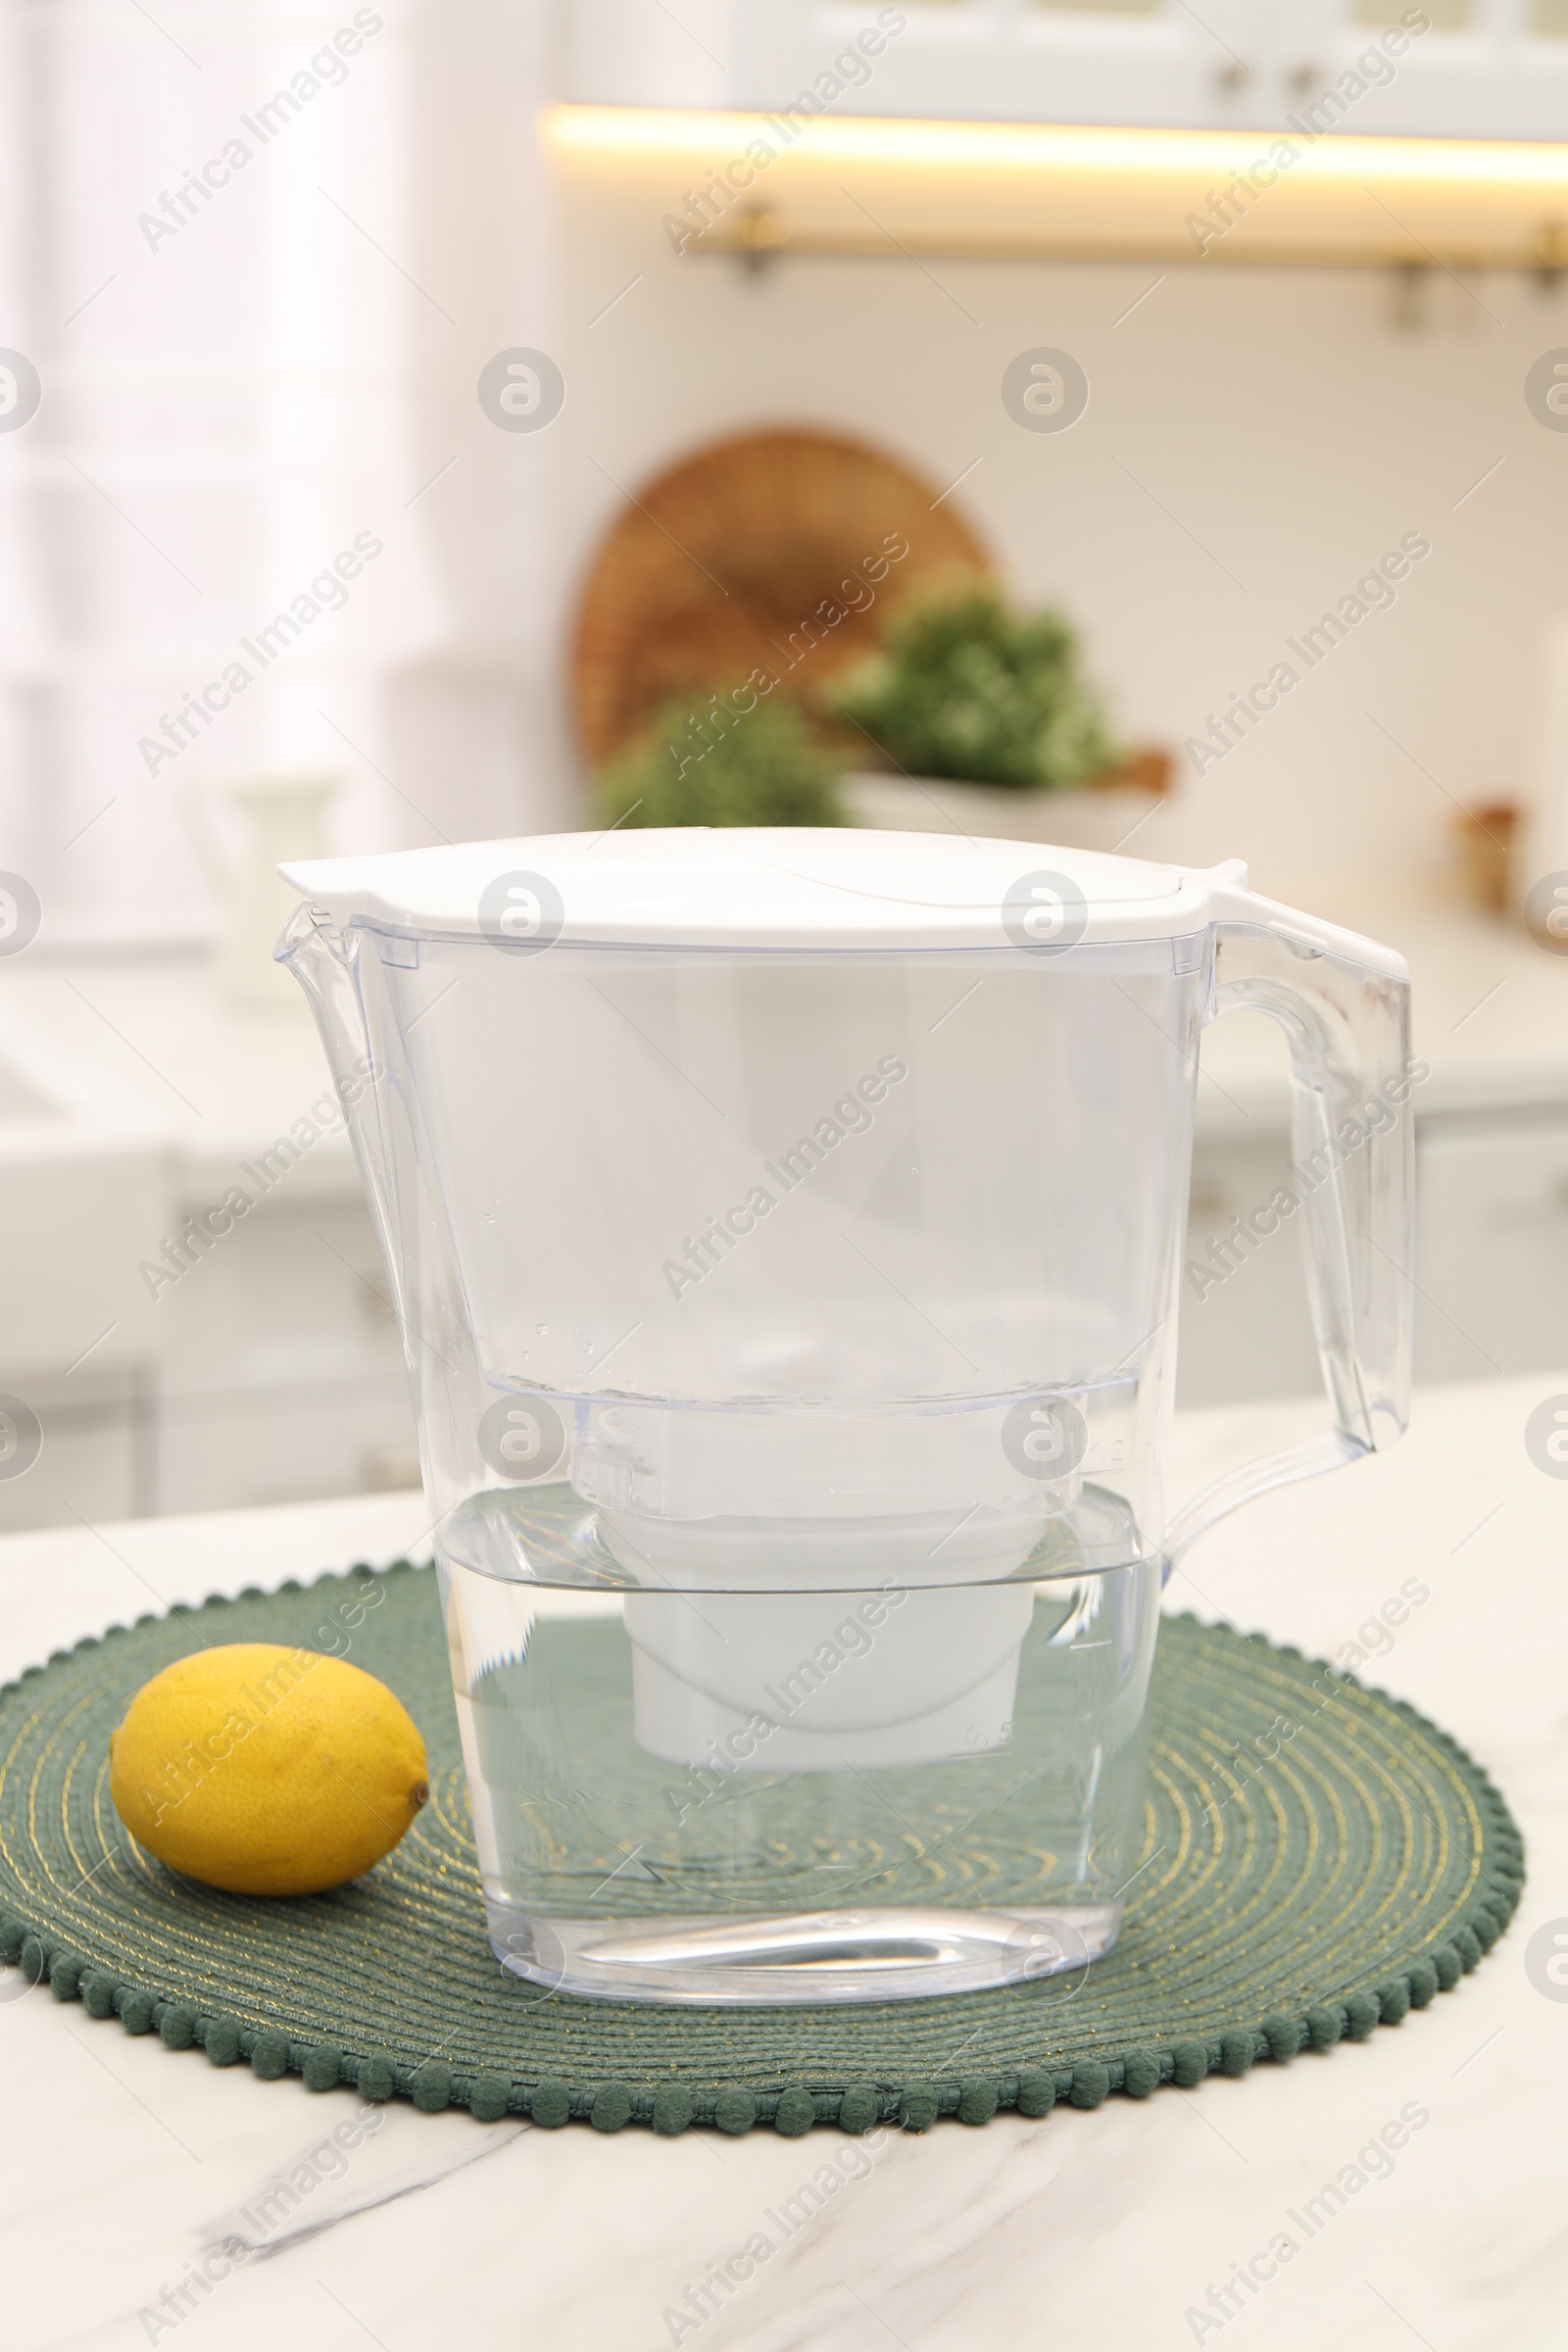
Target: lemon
x: 267, y: 1771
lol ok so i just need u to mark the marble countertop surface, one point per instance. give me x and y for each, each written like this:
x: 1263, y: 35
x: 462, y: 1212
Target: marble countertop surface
x: 121, y: 2163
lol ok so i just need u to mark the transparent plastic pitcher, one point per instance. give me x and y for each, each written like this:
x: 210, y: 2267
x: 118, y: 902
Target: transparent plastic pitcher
x: 785, y: 1232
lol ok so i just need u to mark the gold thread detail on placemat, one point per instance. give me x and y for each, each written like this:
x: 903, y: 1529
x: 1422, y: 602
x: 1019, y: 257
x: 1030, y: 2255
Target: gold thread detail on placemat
x: 1280, y: 1898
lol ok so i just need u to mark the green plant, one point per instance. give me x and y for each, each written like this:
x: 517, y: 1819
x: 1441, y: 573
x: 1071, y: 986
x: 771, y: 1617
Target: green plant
x: 966, y: 687
x: 735, y: 762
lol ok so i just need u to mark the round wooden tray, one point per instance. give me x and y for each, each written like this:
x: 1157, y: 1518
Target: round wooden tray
x: 773, y: 551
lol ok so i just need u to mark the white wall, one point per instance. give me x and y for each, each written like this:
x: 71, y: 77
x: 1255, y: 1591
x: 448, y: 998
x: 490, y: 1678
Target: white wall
x: 295, y: 366
x: 1286, y: 432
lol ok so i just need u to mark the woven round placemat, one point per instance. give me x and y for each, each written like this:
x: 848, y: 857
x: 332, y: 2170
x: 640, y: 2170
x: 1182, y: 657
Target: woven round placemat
x: 1318, y: 1860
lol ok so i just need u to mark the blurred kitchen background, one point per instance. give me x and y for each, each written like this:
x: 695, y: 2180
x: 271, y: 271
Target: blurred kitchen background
x: 408, y: 415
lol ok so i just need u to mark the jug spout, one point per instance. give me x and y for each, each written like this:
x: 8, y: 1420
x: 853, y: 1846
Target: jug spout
x: 324, y: 959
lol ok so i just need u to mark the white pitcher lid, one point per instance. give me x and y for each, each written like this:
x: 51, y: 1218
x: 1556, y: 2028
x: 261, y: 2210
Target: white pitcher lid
x: 780, y: 886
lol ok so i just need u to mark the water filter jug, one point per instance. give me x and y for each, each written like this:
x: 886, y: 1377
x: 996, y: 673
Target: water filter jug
x: 785, y: 1231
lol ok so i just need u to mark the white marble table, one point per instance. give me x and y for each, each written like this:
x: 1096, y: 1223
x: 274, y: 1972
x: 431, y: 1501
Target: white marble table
x: 121, y: 2163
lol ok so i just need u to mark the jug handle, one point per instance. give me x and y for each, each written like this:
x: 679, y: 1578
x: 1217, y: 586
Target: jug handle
x: 1344, y: 1005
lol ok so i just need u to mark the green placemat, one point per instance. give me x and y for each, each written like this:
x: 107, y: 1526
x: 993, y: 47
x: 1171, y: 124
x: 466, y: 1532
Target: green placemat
x: 1318, y: 1859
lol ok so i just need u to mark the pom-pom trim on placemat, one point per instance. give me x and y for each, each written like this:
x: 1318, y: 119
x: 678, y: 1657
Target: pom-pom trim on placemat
x: 54, y: 1944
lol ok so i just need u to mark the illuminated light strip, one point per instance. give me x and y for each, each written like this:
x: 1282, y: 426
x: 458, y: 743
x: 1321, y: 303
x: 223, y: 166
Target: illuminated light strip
x: 1071, y: 150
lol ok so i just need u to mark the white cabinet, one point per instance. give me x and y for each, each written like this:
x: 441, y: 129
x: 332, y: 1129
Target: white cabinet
x: 95, y: 1460
x: 282, y: 1376
x: 1122, y: 61
x: 1491, y: 1246
x: 1484, y: 69
x: 277, y: 1377
x: 1247, y: 1335
x: 1491, y: 1266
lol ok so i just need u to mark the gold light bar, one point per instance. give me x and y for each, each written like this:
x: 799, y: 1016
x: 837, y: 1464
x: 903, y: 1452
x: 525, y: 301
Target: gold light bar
x: 861, y: 185
x: 1073, y: 147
